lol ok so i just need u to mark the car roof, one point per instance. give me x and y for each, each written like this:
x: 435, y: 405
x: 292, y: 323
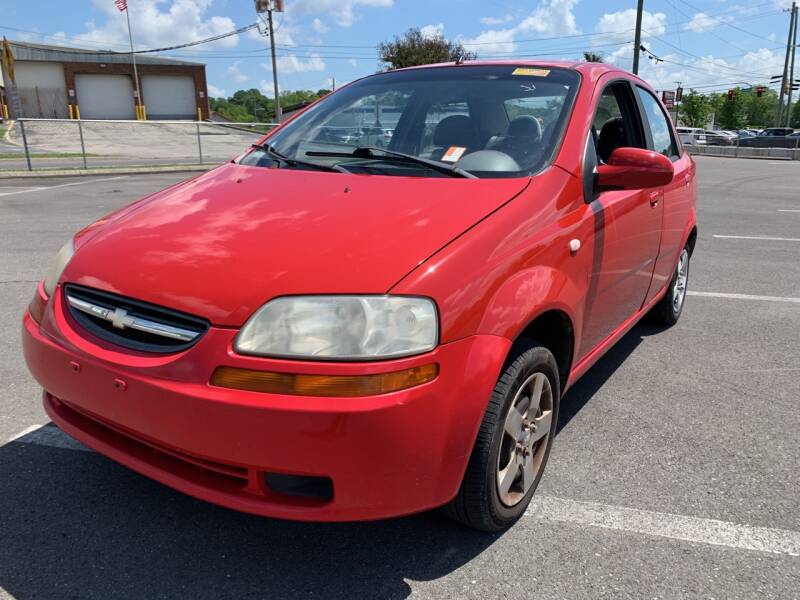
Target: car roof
x: 591, y: 70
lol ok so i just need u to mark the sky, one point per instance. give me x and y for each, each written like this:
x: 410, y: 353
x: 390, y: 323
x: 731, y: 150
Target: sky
x: 709, y: 45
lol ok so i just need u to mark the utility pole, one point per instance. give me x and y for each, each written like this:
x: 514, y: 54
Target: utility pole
x: 637, y: 42
x: 778, y: 117
x: 791, y: 69
x: 270, y: 6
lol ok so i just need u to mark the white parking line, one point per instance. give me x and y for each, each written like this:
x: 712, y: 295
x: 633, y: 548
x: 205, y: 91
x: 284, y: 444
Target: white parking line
x: 47, y: 435
x: 743, y: 296
x: 792, y: 210
x: 677, y: 527
x: 24, y: 432
x: 52, y: 187
x: 757, y: 237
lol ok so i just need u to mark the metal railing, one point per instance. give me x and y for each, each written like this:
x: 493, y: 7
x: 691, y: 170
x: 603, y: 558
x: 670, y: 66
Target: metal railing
x: 87, y: 143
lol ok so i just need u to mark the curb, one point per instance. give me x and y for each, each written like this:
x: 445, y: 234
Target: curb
x: 103, y: 171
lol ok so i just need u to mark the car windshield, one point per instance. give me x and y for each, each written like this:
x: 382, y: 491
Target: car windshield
x: 485, y: 121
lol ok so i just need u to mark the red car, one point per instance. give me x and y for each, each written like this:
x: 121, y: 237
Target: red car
x: 326, y: 330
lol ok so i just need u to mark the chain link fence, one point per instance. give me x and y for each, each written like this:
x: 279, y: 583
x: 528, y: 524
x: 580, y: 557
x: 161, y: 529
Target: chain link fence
x: 41, y: 144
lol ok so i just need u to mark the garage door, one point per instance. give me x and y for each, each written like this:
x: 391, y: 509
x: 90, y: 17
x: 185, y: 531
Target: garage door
x: 105, y: 96
x: 169, y: 97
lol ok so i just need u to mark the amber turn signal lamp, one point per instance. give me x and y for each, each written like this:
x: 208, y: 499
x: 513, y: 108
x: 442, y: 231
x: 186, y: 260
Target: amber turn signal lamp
x: 37, y: 305
x: 340, y: 386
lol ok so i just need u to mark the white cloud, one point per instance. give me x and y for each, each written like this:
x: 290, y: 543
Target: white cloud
x: 431, y: 31
x: 700, y: 72
x: 352, y: 62
x: 620, y: 25
x: 319, y: 26
x: 233, y: 72
x: 292, y: 64
x: 703, y: 22
x: 343, y: 12
x: 550, y: 18
x: 491, y: 41
x: 266, y: 88
x: 158, y: 23
x: 493, y: 21
x: 216, y: 92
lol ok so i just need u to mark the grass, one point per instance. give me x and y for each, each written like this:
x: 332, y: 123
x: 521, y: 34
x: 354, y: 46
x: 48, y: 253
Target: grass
x: 11, y: 155
x: 2, y: 132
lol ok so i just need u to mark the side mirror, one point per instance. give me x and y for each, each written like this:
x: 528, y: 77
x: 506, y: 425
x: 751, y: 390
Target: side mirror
x: 633, y: 169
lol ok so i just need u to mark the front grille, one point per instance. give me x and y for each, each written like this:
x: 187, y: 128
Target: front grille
x: 131, y: 323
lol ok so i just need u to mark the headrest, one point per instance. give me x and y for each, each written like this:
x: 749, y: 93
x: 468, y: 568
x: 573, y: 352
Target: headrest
x: 525, y: 126
x: 455, y: 130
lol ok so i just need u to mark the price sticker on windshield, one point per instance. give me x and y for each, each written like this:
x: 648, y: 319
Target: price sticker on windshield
x: 453, y: 153
x: 531, y: 72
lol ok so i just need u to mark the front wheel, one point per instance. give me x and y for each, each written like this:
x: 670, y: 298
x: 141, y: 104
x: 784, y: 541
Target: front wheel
x: 513, y: 444
x: 669, y: 308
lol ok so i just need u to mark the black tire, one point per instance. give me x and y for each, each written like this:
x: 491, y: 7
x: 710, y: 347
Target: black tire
x: 667, y: 311
x: 478, y: 504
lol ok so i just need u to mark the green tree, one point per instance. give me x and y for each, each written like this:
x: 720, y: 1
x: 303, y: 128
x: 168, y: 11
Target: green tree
x: 796, y: 115
x: 694, y: 109
x: 733, y: 112
x: 414, y: 48
x: 592, y: 57
x: 760, y: 112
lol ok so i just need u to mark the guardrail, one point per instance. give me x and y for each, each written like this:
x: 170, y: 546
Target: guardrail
x: 85, y: 143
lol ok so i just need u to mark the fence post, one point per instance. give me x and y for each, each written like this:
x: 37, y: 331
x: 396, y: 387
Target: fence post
x: 199, y: 144
x: 83, y: 147
x: 25, y: 144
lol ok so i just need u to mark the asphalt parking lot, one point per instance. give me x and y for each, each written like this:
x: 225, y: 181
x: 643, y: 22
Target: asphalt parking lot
x: 674, y: 473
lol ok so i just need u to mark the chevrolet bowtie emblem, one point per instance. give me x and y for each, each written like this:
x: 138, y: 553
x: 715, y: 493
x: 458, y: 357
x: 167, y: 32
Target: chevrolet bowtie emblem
x: 120, y: 318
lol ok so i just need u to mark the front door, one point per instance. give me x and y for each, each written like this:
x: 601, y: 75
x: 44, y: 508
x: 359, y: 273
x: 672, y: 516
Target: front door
x: 627, y: 222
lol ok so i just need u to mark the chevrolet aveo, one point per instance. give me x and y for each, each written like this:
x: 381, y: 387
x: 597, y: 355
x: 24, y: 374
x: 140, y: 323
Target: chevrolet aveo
x: 328, y: 329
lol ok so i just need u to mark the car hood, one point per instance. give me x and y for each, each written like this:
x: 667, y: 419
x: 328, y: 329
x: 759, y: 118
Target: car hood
x: 222, y: 244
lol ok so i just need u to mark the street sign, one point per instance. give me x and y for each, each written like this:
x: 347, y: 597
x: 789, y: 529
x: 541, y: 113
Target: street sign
x: 668, y: 97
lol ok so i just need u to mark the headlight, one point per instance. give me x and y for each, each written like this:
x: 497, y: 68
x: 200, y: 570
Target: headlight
x: 57, y: 267
x: 341, y: 327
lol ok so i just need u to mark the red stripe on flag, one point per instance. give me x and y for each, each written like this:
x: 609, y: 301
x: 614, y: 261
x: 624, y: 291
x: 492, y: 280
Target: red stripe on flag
x: 122, y: 5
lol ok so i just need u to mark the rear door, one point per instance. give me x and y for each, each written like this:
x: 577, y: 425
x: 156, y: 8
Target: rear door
x: 627, y: 222
x: 676, y: 195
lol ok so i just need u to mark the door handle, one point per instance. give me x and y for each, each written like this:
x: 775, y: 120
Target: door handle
x: 654, y: 198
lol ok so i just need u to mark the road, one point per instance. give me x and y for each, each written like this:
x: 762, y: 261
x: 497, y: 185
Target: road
x: 674, y: 473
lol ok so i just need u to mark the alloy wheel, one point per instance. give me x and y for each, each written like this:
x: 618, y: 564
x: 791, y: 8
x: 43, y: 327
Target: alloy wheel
x: 681, y: 278
x: 525, y: 436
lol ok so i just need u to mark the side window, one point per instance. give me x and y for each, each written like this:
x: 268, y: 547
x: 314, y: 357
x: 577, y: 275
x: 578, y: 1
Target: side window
x: 660, y: 129
x: 616, y: 121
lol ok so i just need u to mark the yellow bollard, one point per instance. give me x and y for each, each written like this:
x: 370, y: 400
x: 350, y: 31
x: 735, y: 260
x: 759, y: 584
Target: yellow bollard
x: 69, y: 110
x: 144, y: 113
x: 5, y: 111
x: 199, y: 114
x: 77, y: 112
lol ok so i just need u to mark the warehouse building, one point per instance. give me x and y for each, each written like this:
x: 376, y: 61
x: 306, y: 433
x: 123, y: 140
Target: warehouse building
x: 51, y: 81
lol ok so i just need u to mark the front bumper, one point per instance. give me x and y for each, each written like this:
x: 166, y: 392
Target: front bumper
x: 386, y: 455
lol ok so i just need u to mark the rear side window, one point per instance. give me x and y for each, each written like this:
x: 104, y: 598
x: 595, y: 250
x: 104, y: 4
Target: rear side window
x: 658, y: 122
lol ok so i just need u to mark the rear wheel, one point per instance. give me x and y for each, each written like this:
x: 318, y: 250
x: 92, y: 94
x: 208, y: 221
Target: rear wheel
x: 669, y: 308
x: 513, y: 444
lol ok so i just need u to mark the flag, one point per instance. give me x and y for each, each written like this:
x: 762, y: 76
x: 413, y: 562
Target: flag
x: 122, y: 5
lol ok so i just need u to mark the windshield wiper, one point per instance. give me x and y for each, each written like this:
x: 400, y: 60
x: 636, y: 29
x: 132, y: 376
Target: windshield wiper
x: 293, y: 162
x: 374, y: 153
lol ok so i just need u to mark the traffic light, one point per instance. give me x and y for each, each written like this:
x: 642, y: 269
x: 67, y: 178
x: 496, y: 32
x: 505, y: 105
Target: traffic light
x: 730, y: 95
x: 678, y: 94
